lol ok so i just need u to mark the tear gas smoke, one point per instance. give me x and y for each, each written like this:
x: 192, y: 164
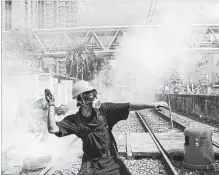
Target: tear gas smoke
x: 148, y: 56
x: 24, y: 124
x: 144, y: 63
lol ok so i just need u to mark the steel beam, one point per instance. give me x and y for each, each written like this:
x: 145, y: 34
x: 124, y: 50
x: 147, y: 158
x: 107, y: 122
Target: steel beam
x: 123, y: 31
x: 85, y: 37
x: 213, y: 33
x: 57, y: 36
x: 40, y: 42
x: 110, y: 52
x: 67, y: 38
x: 108, y: 28
x: 197, y: 43
x: 98, y: 40
x: 112, y: 33
x: 114, y: 38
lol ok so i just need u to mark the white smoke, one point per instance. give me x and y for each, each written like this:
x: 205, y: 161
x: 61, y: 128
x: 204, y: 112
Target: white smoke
x: 148, y: 56
x: 24, y: 128
x: 146, y: 59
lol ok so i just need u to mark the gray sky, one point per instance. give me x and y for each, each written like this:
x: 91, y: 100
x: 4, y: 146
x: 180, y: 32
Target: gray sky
x: 129, y: 12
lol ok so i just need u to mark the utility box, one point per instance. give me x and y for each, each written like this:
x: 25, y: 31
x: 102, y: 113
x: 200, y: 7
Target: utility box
x: 199, y: 153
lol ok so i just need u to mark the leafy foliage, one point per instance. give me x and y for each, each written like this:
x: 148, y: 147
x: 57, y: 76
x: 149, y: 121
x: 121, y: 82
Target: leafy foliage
x: 83, y: 63
x: 20, y: 42
x: 175, y: 77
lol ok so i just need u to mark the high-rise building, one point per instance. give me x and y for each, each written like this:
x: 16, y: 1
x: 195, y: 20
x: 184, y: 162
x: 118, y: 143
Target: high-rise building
x: 206, y: 70
x: 39, y: 14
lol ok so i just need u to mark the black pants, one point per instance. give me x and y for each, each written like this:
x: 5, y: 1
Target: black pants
x: 118, y: 168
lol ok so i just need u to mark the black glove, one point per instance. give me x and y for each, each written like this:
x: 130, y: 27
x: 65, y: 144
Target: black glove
x: 49, y: 97
x: 161, y: 104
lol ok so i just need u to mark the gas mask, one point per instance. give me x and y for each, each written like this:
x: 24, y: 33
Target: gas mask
x: 89, y: 99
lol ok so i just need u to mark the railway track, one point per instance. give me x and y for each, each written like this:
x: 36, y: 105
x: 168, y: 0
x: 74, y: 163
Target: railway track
x: 179, y: 125
x: 49, y: 170
x: 168, y: 165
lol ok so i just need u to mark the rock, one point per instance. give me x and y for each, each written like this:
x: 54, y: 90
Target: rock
x: 36, y: 163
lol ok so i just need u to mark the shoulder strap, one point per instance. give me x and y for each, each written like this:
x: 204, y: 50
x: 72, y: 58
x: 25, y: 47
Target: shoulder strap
x: 105, y: 124
x: 113, y: 140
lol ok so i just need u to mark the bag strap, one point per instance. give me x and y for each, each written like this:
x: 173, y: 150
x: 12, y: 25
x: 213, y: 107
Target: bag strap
x: 106, y: 126
x: 113, y: 140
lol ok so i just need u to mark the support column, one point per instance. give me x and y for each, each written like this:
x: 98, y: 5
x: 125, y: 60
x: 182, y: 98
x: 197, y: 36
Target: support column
x: 54, y: 16
x: 40, y: 14
x: 51, y: 84
x: 3, y: 15
x: 60, y: 94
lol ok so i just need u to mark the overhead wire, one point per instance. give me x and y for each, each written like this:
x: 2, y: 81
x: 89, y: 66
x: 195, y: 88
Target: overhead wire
x: 153, y: 11
x: 91, y: 19
x: 134, y: 1
x: 79, y: 6
x: 90, y: 14
x: 150, y: 15
x: 149, y: 11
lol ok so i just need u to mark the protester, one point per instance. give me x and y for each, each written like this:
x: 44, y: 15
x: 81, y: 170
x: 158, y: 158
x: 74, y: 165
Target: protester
x: 93, y: 123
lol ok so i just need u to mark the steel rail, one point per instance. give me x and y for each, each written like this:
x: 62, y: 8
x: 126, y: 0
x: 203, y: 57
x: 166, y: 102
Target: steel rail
x: 175, y: 123
x: 179, y: 125
x: 49, y: 170
x: 215, y: 144
x: 170, y: 168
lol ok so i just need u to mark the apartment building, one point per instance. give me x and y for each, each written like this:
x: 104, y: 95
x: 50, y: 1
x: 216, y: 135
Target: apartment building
x: 39, y: 14
x: 206, y: 70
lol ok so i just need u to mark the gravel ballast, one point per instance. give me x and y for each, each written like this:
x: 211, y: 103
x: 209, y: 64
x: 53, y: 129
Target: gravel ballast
x: 188, y: 122
x: 132, y: 124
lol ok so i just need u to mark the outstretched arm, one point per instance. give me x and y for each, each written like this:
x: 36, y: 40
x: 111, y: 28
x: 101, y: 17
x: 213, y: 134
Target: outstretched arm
x: 141, y: 106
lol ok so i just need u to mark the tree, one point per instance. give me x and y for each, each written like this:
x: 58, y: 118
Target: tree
x: 82, y: 63
x: 20, y: 42
x: 175, y: 77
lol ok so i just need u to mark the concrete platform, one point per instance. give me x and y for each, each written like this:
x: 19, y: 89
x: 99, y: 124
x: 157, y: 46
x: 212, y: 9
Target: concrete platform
x: 121, y: 142
x: 174, y: 143
x: 141, y: 144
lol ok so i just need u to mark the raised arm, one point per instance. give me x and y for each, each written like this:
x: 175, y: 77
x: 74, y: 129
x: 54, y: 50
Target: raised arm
x: 51, y: 123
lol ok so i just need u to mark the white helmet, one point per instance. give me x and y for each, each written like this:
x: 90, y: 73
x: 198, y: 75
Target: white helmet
x: 81, y: 87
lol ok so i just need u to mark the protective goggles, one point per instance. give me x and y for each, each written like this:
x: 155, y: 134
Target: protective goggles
x: 89, y: 96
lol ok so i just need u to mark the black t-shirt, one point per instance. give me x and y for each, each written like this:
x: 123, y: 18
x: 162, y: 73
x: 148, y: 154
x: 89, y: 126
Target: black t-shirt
x: 96, y: 139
